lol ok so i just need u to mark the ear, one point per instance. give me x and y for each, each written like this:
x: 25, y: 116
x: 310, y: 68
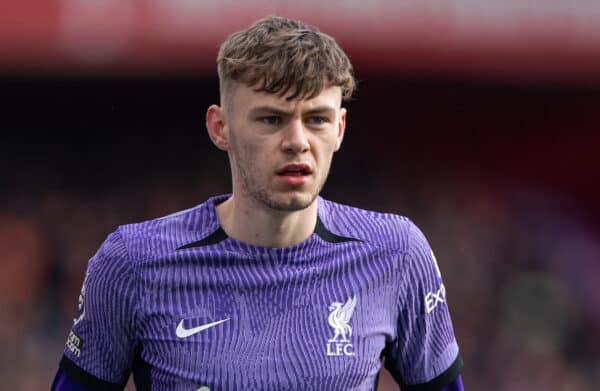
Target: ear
x: 341, y: 129
x: 215, y: 124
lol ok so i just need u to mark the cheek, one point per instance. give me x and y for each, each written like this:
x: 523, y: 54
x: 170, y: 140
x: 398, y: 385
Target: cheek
x: 252, y: 156
x: 324, y: 152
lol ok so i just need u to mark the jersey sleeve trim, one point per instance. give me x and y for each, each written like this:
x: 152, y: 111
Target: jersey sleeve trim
x: 87, y: 380
x: 436, y: 384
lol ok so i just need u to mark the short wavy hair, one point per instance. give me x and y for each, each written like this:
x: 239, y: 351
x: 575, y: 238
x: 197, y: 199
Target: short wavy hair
x: 285, y: 57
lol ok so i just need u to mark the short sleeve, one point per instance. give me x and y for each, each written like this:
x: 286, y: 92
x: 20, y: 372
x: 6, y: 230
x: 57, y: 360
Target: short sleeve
x: 424, y: 356
x: 101, y: 344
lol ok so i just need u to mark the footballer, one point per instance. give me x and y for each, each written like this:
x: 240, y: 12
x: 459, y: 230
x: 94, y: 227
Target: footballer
x: 269, y: 287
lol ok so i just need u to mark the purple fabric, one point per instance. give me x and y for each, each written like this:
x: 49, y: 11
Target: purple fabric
x: 64, y: 383
x: 264, y: 314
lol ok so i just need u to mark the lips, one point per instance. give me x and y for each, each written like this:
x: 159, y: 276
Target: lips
x: 295, y: 169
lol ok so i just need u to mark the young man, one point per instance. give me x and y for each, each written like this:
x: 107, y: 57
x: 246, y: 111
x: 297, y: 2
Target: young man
x: 271, y: 287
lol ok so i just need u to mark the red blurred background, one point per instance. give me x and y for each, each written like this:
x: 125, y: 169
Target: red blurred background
x: 479, y: 120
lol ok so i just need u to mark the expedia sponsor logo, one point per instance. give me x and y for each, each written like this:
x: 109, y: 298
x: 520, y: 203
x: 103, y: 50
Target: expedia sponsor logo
x: 432, y: 299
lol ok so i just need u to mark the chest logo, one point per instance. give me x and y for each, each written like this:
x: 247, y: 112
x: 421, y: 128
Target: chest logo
x: 339, y: 317
x: 182, y: 332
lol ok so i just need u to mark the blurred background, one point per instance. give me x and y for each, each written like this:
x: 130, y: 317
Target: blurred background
x: 478, y: 120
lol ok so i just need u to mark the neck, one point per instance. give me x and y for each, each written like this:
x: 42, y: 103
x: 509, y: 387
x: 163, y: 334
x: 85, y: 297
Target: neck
x: 262, y: 226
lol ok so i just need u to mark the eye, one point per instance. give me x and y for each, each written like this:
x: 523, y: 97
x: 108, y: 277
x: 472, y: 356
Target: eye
x: 271, y: 120
x: 317, y: 120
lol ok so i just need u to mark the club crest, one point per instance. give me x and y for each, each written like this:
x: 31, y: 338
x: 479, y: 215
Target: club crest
x: 339, y: 317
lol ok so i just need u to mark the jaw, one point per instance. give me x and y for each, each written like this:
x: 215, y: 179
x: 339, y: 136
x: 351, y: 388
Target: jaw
x: 288, y: 201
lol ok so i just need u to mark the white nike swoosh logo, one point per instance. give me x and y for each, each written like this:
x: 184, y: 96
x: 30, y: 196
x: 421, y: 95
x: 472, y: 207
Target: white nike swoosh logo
x: 182, y: 332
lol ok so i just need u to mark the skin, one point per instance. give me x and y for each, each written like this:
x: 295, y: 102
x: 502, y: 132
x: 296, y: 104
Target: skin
x: 262, y: 133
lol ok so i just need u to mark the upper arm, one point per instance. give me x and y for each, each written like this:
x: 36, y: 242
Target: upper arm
x: 101, y: 344
x: 425, y: 352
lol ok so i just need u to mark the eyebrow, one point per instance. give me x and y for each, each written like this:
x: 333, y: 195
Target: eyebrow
x: 277, y: 111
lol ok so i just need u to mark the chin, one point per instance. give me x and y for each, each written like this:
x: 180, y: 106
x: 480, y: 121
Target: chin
x: 288, y: 202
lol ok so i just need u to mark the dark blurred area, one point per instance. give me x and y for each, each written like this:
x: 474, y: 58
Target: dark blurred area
x: 496, y: 161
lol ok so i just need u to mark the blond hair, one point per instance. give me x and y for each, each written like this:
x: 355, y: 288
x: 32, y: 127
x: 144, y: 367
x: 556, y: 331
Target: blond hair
x: 285, y: 57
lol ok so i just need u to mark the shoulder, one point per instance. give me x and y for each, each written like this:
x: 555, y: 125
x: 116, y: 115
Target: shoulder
x: 151, y: 238
x: 386, y: 230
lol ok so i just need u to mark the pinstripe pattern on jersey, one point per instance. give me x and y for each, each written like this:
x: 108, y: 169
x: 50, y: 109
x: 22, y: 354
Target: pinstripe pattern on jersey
x: 148, y: 277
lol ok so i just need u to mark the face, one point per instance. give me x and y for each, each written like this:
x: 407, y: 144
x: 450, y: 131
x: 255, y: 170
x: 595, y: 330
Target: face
x: 280, y: 151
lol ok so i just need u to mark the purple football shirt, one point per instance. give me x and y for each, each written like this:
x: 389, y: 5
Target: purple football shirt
x: 185, y: 307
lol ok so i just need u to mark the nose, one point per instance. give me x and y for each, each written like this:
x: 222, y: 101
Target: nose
x: 295, y: 139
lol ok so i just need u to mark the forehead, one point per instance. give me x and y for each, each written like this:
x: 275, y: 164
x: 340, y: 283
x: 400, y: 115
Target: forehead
x: 245, y: 99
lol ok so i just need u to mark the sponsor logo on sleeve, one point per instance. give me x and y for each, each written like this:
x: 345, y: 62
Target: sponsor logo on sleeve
x: 432, y: 299
x: 74, y: 344
x: 81, y: 306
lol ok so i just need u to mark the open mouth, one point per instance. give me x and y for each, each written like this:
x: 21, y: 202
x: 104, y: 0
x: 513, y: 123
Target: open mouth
x: 295, y: 170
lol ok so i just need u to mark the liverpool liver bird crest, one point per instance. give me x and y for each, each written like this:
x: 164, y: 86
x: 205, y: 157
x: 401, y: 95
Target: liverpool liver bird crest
x: 339, y: 317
